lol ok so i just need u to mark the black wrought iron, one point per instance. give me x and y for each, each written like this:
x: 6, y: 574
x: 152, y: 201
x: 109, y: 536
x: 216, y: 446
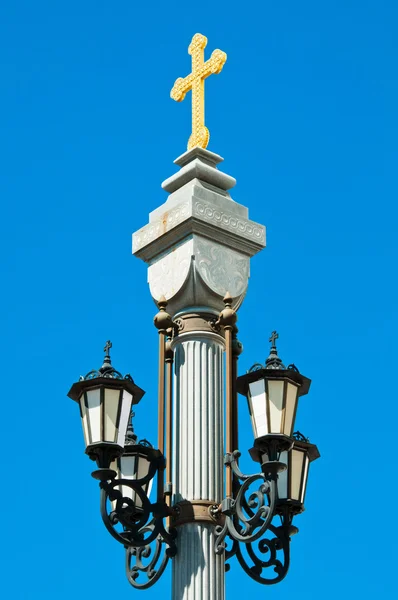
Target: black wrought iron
x: 297, y: 435
x: 145, y: 443
x: 107, y: 370
x: 134, y: 520
x: 150, y: 561
x: 248, y: 517
x: 249, y: 532
x: 273, y: 361
x: 269, y: 554
x: 131, y: 437
x: 139, y: 526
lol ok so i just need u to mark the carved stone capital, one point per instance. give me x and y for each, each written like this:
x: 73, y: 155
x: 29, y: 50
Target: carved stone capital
x: 199, y: 272
x: 198, y: 244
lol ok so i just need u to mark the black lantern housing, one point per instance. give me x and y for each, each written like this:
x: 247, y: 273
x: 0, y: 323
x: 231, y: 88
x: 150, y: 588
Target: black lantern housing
x: 135, y: 465
x: 272, y: 392
x: 105, y: 398
x: 292, y: 483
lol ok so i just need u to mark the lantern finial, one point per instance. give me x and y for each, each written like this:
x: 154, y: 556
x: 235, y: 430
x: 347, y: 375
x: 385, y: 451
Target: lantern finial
x: 273, y: 361
x: 107, y: 359
x: 297, y: 435
x: 131, y: 437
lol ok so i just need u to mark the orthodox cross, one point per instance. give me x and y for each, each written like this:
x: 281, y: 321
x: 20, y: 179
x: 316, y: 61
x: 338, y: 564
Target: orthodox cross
x: 107, y: 347
x: 273, y: 338
x: 195, y: 82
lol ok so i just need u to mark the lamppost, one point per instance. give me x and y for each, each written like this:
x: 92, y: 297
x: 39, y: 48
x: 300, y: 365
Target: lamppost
x: 202, y: 510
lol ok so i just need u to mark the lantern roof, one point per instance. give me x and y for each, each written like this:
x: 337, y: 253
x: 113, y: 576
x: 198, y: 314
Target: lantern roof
x: 302, y: 442
x: 273, y: 368
x: 102, y: 376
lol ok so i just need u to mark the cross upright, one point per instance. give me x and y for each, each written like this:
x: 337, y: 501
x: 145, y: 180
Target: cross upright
x: 195, y: 82
x: 107, y: 347
x: 273, y: 338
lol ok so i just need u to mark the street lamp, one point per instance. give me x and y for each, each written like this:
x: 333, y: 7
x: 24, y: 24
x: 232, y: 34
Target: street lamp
x: 203, y: 510
x: 127, y: 471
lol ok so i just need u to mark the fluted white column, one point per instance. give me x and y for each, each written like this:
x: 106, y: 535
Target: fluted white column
x: 198, y: 573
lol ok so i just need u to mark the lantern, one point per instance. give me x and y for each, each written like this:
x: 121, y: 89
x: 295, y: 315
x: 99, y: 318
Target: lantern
x: 105, y: 398
x: 292, y: 483
x: 272, y: 393
x: 135, y: 465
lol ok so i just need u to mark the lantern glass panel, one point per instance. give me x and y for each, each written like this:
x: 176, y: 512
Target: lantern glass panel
x: 305, y: 478
x: 132, y: 466
x: 84, y: 417
x: 292, y: 483
x: 283, y: 477
x: 111, y: 410
x: 92, y: 402
x: 290, y: 407
x: 275, y: 399
x: 124, y: 417
x: 105, y: 413
x: 257, y: 406
x: 272, y: 404
x: 297, y: 466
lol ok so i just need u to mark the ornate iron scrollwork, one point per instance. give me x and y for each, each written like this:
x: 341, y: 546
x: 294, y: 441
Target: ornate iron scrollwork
x: 247, y: 516
x: 150, y: 560
x: 139, y: 525
x: 257, y: 543
x: 266, y: 553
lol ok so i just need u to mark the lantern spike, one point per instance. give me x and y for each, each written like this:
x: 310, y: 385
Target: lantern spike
x: 131, y: 437
x: 273, y: 361
x: 107, y: 365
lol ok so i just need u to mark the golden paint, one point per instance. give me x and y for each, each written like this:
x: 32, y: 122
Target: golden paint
x: 195, y: 82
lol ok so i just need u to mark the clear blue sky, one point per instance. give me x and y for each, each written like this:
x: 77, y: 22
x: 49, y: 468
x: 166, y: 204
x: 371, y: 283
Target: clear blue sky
x: 305, y: 115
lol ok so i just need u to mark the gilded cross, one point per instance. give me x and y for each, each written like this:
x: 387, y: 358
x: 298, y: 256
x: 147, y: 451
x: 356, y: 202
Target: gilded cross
x: 273, y: 338
x: 107, y: 347
x: 195, y: 82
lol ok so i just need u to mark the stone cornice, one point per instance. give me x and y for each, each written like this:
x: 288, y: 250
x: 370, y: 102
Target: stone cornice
x: 198, y: 216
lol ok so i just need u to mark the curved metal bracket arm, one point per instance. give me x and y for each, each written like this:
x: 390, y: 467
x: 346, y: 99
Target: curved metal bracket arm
x: 265, y: 556
x: 247, y: 518
x: 138, y: 528
x: 258, y: 545
x: 150, y: 560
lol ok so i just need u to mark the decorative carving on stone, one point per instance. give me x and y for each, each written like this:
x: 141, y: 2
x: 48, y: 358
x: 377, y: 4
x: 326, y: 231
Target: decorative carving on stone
x: 199, y: 272
x: 167, y: 275
x: 222, y: 269
x: 169, y: 219
x: 229, y: 221
x: 205, y: 214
